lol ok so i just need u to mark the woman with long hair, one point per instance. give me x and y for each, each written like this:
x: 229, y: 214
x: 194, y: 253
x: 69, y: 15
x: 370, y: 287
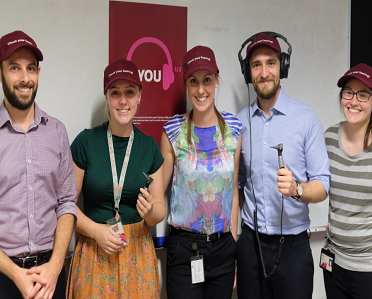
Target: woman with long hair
x: 201, y: 149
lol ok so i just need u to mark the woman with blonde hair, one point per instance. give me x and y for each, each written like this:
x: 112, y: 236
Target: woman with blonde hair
x: 201, y: 149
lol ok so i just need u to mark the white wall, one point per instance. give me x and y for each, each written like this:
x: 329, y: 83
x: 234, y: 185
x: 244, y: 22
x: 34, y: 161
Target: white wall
x: 73, y: 36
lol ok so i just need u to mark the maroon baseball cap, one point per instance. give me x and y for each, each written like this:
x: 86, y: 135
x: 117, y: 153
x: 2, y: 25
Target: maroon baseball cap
x: 199, y: 58
x: 263, y: 39
x: 11, y: 42
x: 120, y: 69
x: 362, y: 71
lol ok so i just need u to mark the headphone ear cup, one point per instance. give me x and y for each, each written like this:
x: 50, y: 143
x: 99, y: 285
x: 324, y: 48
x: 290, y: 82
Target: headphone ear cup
x: 246, y: 71
x: 243, y: 68
x: 284, y: 65
x: 168, y: 76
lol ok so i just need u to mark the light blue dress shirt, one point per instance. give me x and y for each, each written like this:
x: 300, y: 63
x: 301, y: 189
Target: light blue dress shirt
x: 304, y: 152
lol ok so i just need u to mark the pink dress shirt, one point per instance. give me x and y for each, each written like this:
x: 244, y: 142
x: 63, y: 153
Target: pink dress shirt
x: 37, y: 183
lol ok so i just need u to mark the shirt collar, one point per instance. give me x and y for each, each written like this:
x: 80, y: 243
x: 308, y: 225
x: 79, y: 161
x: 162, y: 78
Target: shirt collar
x: 40, y: 116
x: 280, y: 104
x: 4, y: 115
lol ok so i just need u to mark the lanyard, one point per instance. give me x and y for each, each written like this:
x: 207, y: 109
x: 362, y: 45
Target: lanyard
x: 118, y: 186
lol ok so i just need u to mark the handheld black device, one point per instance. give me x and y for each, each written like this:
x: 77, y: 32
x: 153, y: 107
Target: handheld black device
x: 149, y: 181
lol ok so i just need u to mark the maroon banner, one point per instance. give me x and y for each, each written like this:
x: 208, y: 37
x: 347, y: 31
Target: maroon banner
x: 154, y: 37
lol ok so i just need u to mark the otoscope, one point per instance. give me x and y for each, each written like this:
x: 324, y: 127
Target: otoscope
x: 279, y: 147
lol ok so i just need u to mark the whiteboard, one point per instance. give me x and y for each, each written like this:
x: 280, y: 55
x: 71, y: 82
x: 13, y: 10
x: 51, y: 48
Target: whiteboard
x: 73, y: 36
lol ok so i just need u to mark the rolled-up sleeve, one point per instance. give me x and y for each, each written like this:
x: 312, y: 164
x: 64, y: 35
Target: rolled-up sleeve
x: 67, y: 182
x: 316, y: 154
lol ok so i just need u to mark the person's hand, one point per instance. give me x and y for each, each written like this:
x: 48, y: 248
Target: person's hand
x: 51, y: 273
x: 107, y: 239
x: 144, y: 203
x: 286, y: 184
x: 25, y: 282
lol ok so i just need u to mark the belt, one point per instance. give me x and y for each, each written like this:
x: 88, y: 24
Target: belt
x: 196, y: 236
x: 32, y: 260
x: 276, y: 238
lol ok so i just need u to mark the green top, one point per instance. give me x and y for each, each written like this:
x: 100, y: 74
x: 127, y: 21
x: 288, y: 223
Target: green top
x: 90, y: 152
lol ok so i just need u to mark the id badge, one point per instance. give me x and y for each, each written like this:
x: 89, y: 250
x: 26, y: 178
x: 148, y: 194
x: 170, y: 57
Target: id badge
x: 117, y: 227
x: 326, y: 259
x: 197, y: 269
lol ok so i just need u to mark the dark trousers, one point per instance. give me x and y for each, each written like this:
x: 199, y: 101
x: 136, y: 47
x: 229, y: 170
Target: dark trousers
x: 219, y: 268
x: 9, y: 290
x: 293, y: 277
x: 346, y: 284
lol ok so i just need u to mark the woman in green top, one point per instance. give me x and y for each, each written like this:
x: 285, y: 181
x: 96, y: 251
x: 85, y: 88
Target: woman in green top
x: 114, y: 255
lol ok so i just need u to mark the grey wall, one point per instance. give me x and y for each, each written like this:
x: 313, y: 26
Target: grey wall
x: 73, y: 36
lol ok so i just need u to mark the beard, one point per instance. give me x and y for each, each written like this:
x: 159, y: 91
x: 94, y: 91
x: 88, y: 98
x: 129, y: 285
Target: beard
x: 14, y: 100
x: 266, y: 93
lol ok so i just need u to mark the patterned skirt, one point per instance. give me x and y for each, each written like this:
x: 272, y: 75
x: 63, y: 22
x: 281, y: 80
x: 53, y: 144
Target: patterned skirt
x: 130, y: 273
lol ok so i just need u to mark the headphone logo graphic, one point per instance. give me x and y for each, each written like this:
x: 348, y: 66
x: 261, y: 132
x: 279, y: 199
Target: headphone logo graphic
x: 168, y: 75
x: 284, y: 59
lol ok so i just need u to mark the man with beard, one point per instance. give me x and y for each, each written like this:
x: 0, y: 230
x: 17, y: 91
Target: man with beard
x: 274, y: 255
x: 37, y: 180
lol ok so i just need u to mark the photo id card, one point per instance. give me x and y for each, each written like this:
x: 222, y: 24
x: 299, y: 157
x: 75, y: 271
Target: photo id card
x: 197, y: 269
x: 326, y: 259
x: 117, y: 227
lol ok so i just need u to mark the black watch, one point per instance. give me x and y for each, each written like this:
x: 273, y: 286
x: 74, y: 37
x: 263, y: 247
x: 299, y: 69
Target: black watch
x: 299, y: 191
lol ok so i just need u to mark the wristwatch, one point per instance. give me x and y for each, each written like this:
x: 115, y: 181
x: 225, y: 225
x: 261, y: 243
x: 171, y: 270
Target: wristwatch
x: 299, y: 191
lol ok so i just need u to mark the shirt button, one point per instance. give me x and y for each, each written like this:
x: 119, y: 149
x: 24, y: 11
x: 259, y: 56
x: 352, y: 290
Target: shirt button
x: 29, y: 161
x: 266, y: 124
x: 30, y: 188
x: 264, y: 163
x: 265, y: 183
x: 31, y: 216
x: 267, y: 204
x: 265, y: 142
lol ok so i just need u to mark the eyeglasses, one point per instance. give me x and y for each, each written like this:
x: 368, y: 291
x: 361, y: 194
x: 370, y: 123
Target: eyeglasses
x: 362, y: 96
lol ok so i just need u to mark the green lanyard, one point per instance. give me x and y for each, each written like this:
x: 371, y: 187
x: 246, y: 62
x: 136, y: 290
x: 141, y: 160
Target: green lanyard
x: 118, y: 187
